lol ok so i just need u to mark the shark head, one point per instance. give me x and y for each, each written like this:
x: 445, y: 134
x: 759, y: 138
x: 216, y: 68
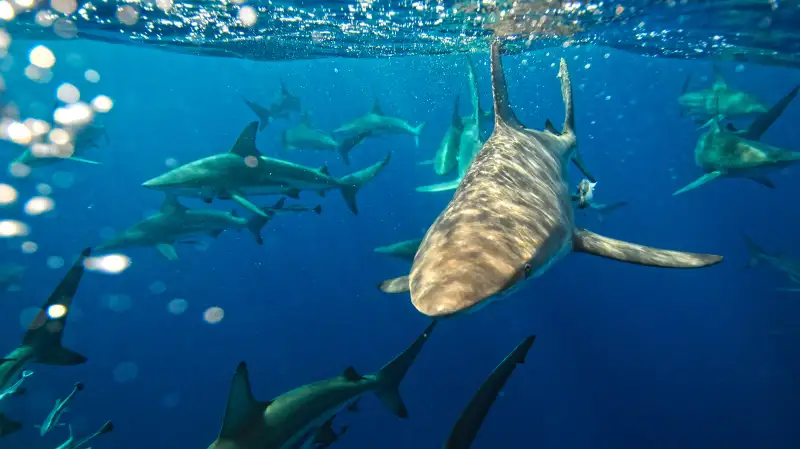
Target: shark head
x: 183, y: 177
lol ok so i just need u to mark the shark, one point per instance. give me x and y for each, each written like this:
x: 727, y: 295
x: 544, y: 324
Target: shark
x: 305, y: 136
x: 72, y: 443
x: 244, y: 171
x: 404, y: 250
x: 175, y: 222
x: 326, y: 436
x: 718, y: 99
x: 469, y: 422
x: 730, y: 153
x: 446, y: 157
x: 86, y: 138
x: 779, y: 261
x: 511, y: 217
x: 284, y: 105
x: 54, y: 417
x: 376, y: 122
x: 294, y: 419
x: 292, y: 209
x: 42, y: 341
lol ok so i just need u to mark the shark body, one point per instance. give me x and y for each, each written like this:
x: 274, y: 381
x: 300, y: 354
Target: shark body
x: 376, y: 122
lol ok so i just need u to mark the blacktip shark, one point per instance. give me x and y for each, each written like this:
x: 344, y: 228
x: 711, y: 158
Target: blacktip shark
x: 511, y: 217
x: 404, y: 250
x: 42, y: 341
x: 466, y: 428
x: 305, y: 136
x: 377, y: 123
x: 702, y: 104
x: 731, y: 153
x: 293, y: 419
x: 85, y: 139
x: 779, y: 261
x: 283, y: 106
x: 175, y: 222
x: 244, y: 171
x: 72, y: 443
x: 54, y: 417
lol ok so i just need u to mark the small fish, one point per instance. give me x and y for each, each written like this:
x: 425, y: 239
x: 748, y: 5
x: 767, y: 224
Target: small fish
x: 14, y: 389
x: 54, y: 417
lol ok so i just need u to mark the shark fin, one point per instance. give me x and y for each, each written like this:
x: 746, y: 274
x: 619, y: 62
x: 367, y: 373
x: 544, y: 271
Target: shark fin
x: 347, y: 145
x: 8, y: 425
x: 577, y: 159
x: 292, y: 193
x: 351, y: 374
x: 317, y: 209
x: 172, y: 205
x: 761, y: 124
x: 261, y: 112
x: 566, y: 96
x: 396, y: 285
x: 588, y: 242
x: 256, y: 222
x: 548, y: 126
x: 349, y: 185
x: 456, y: 119
x: 763, y: 180
x: 503, y: 113
x: 325, y: 435
x: 247, y: 204
x: 754, y: 251
x: 417, y: 130
x: 324, y: 170
x: 440, y: 187
x: 353, y: 407
x: 391, y: 375
x: 708, y: 177
x: 45, y: 332
x: 376, y: 108
x: 82, y: 160
x: 107, y: 427
x: 167, y: 250
x: 242, y: 408
x: 246, y: 143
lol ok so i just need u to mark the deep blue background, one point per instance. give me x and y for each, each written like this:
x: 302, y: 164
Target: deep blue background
x: 626, y: 356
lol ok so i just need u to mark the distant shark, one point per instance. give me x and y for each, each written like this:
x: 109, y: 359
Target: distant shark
x: 377, y: 123
x: 283, y: 106
x: 175, y: 222
x: 466, y: 429
x: 54, y: 417
x: 72, y: 443
x: 85, y: 139
x: 511, y: 218
x: 719, y: 99
x: 42, y: 341
x: 727, y: 152
x: 244, y: 171
x: 404, y: 250
x: 446, y: 157
x: 304, y: 136
x: 294, y: 419
x: 781, y: 262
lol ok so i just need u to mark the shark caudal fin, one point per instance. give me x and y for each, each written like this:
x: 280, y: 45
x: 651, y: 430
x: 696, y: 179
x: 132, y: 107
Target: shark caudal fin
x: 417, y: 130
x: 763, y: 122
x: 391, y: 375
x: 347, y: 145
x: 107, y: 427
x: 473, y: 415
x: 440, y: 187
x: 350, y: 184
x: 261, y: 112
x: 45, y: 331
x: 257, y: 222
x: 8, y: 425
x: 754, y: 252
x: 588, y: 242
x: 242, y: 409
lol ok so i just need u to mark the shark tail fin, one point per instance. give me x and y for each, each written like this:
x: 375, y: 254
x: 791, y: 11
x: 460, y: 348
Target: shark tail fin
x: 8, y: 425
x: 417, y: 130
x: 45, y: 331
x: 350, y: 184
x: 391, y: 375
x: 440, y: 187
x: 107, y: 427
x: 588, y: 242
x: 347, y: 145
x: 257, y: 222
x: 761, y: 124
x: 261, y: 112
x: 754, y: 251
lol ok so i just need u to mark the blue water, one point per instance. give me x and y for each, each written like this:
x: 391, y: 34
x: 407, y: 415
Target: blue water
x: 625, y: 356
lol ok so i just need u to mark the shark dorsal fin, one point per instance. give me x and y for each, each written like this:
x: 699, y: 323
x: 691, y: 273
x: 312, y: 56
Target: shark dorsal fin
x: 351, y: 374
x: 305, y: 118
x: 730, y: 127
x: 234, y: 213
x: 456, y: 117
x: 172, y: 205
x: 503, y: 114
x: 376, y: 108
x: 242, y: 407
x: 548, y: 125
x: 719, y: 79
x: 246, y: 143
x: 324, y: 170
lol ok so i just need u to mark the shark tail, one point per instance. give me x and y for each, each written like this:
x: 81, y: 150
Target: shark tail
x: 764, y: 121
x: 440, y: 187
x: 45, y: 332
x: 417, y: 130
x: 257, y: 222
x: 107, y: 427
x: 261, y: 112
x: 391, y: 375
x: 347, y: 145
x: 8, y: 425
x: 350, y: 184
x: 754, y: 251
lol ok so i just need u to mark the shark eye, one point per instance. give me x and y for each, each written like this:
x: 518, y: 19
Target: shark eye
x: 527, y: 270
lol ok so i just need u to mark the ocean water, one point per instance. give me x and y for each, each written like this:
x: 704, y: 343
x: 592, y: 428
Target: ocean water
x: 625, y: 356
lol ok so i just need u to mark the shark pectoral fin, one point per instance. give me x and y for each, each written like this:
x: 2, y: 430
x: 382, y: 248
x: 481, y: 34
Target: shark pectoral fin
x: 85, y: 161
x: 588, y: 242
x: 325, y: 434
x: 763, y: 180
x: 440, y: 187
x: 242, y: 407
x: 708, y: 177
x: 396, y: 285
x: 353, y: 408
x: 60, y: 356
x: 20, y: 391
x: 167, y: 250
x: 244, y: 202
